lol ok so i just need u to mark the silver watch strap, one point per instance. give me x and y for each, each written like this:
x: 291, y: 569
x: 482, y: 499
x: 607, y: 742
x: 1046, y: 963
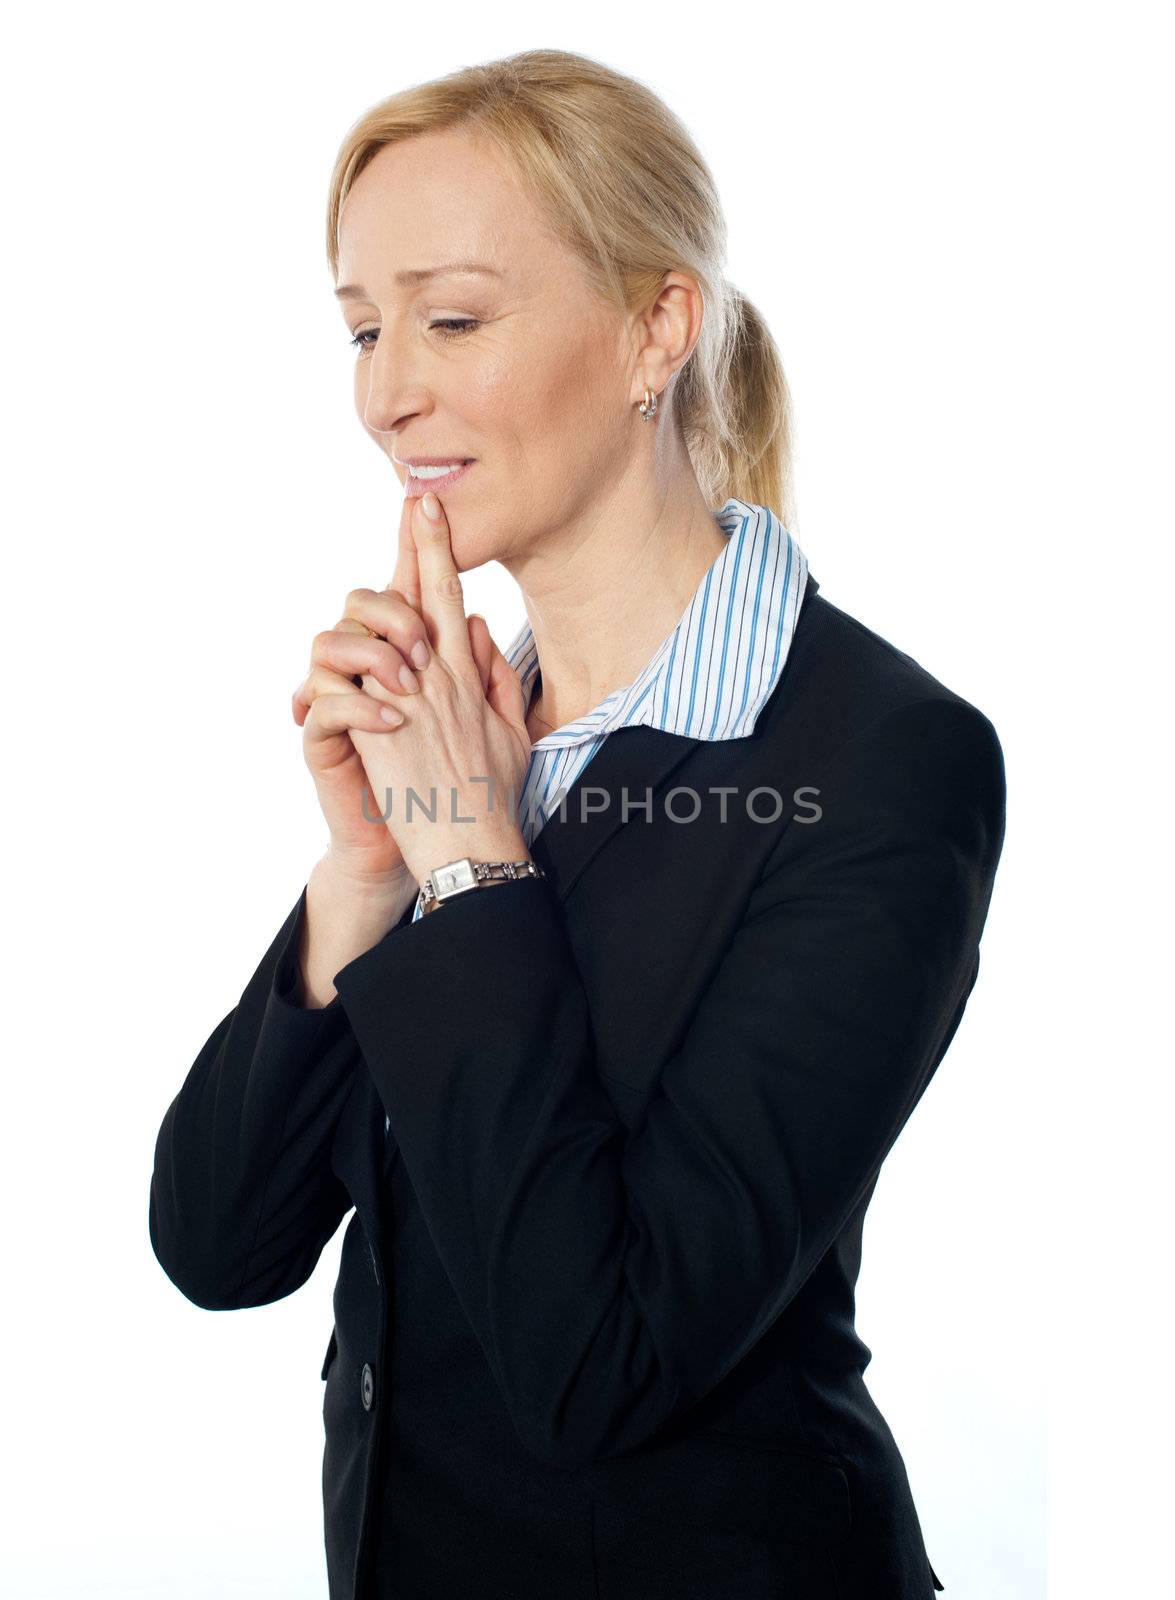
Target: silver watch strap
x: 483, y: 872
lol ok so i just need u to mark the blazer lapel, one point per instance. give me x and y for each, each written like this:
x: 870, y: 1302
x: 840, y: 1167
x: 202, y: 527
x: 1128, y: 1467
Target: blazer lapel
x: 631, y: 761
x: 628, y: 770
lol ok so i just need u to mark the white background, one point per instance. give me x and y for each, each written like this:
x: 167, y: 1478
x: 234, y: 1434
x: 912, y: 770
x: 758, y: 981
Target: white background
x: 956, y: 221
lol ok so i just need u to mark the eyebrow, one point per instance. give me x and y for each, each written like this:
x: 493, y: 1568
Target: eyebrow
x: 414, y: 275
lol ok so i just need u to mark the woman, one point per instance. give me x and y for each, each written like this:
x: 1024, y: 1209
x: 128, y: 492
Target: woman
x: 609, y: 1119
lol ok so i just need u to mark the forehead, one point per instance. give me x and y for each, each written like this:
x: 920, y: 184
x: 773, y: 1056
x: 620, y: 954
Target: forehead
x: 431, y: 199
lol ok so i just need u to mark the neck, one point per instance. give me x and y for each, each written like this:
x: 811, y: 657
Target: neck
x: 602, y: 592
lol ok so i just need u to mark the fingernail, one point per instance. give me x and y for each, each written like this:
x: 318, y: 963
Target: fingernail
x: 409, y: 679
x: 420, y: 654
x: 432, y: 507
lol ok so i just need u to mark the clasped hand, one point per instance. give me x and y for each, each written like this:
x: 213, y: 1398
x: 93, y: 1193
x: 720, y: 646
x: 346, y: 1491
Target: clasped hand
x: 462, y: 745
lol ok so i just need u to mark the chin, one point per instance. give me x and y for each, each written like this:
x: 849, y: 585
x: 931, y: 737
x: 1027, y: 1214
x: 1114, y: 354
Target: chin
x: 471, y: 553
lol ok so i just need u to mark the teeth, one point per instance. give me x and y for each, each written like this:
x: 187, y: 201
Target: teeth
x: 434, y: 472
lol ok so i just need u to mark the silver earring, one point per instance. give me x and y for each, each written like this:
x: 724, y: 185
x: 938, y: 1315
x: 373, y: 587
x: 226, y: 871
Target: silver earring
x: 648, y: 406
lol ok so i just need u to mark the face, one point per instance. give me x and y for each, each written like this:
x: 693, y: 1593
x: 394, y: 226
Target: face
x: 520, y: 368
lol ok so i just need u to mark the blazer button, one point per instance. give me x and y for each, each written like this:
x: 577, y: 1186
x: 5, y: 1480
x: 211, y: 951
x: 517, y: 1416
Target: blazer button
x: 367, y: 1387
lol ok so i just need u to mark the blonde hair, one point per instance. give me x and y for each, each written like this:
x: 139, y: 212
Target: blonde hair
x: 620, y: 182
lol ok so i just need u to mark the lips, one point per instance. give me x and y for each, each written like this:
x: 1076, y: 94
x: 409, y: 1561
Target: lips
x: 415, y: 487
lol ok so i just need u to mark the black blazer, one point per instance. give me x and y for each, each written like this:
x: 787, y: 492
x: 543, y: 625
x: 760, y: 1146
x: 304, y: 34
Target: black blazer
x: 594, y: 1321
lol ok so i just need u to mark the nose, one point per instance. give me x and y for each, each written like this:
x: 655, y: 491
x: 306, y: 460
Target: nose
x: 389, y: 389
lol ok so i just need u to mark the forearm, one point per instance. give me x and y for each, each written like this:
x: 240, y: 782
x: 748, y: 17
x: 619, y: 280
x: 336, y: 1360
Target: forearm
x: 243, y: 1195
x: 343, y: 920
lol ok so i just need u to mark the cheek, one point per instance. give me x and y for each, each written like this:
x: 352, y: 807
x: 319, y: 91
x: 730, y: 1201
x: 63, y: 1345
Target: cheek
x: 359, y: 392
x: 555, y: 408
x: 512, y: 407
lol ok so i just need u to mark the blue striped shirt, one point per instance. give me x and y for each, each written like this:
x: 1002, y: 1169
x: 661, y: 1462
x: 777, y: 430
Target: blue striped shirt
x: 708, y: 680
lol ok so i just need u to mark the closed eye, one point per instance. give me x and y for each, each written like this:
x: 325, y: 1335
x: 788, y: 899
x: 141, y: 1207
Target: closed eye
x: 448, y: 327
x: 454, y: 327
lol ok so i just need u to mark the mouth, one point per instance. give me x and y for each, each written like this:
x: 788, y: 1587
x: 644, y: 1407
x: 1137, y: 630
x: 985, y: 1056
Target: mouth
x: 417, y: 486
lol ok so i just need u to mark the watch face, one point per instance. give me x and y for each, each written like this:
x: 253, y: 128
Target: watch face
x: 457, y: 875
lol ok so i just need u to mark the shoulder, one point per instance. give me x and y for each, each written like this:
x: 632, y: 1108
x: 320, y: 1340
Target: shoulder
x: 843, y: 679
x: 885, y: 749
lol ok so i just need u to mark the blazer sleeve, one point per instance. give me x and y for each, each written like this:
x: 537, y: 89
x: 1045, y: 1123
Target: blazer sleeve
x: 243, y: 1197
x: 614, y: 1280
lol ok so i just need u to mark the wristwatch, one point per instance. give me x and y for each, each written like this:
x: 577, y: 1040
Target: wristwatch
x: 457, y: 877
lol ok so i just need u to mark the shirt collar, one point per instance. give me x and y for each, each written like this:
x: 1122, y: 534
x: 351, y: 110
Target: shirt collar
x: 712, y: 675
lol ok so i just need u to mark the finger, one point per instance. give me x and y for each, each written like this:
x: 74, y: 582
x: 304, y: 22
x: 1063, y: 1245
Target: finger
x: 353, y: 625
x: 388, y: 613
x: 406, y: 577
x: 355, y: 655
x: 318, y: 682
x: 322, y: 681
x: 482, y: 647
x: 332, y: 714
x: 441, y: 595
x: 505, y: 693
